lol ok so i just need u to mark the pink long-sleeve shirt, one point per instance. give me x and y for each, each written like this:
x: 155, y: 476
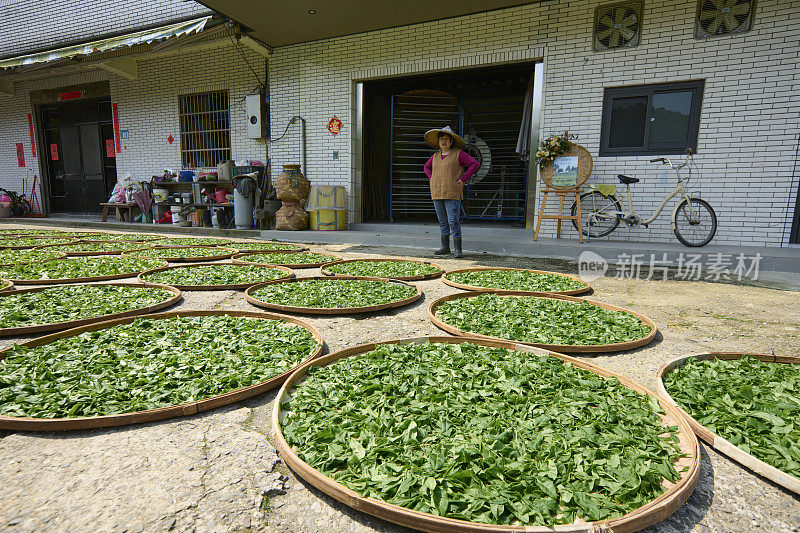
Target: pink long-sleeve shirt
x: 464, y: 160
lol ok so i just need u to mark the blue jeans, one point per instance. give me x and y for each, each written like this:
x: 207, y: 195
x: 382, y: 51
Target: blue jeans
x: 449, y: 212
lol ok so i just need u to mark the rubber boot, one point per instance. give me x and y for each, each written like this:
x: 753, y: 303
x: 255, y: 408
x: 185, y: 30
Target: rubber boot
x: 457, y: 247
x: 445, y: 249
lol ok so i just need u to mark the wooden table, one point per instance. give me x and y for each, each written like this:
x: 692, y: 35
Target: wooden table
x: 123, y: 211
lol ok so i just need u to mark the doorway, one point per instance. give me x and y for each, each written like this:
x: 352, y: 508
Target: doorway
x: 483, y: 105
x: 79, y: 155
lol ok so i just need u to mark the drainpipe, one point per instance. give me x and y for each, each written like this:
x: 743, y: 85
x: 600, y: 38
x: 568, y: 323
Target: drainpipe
x: 303, y: 139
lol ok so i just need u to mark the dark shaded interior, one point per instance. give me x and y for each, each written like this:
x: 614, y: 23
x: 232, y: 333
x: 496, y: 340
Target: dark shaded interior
x: 485, y: 106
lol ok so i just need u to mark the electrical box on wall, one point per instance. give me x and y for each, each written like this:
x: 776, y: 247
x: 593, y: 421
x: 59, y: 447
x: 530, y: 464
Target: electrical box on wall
x: 257, y: 108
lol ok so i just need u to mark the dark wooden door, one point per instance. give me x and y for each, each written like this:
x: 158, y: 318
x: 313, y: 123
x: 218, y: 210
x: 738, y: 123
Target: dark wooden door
x: 74, y: 200
x: 92, y: 158
x: 81, y: 174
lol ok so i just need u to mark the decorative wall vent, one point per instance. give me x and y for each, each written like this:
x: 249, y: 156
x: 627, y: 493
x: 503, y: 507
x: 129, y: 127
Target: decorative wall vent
x: 617, y: 25
x: 723, y: 17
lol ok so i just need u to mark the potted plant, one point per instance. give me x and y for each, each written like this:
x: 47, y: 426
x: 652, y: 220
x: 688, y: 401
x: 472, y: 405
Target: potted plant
x: 19, y: 204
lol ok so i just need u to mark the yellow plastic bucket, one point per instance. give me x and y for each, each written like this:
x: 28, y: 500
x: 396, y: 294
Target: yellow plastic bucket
x: 327, y: 208
x: 327, y: 219
x: 326, y: 197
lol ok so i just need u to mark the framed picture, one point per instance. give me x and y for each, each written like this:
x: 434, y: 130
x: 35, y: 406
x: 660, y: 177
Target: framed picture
x: 565, y: 171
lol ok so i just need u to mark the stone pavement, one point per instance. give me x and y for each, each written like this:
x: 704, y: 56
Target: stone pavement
x: 219, y: 472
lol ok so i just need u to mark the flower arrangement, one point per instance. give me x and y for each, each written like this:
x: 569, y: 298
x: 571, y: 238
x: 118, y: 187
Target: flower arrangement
x: 552, y: 147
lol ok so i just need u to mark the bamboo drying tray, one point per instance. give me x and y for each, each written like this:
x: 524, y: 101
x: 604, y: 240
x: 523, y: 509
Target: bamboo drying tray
x: 584, y: 167
x: 150, y: 415
x: 715, y: 441
x: 61, y: 255
x: 570, y: 348
x: 57, y: 326
x: 4, y: 240
x: 6, y: 285
x: 331, y: 310
x: 225, y: 253
x: 222, y: 243
x: 108, y: 252
x: 457, y: 285
x: 143, y: 239
x: 401, y: 278
x: 237, y: 259
x: 241, y: 247
x: 69, y: 281
x: 649, y: 514
x: 289, y: 273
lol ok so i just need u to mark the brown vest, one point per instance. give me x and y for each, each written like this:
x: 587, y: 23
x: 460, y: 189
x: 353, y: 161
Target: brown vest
x: 445, y: 176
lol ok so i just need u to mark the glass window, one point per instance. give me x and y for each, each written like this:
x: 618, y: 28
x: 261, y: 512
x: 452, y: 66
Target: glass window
x: 651, y: 119
x: 671, y: 115
x: 205, y: 129
x: 628, y: 118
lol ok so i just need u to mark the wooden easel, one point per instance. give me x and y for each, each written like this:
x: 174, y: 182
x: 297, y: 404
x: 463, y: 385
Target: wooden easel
x: 582, y: 173
x: 560, y: 216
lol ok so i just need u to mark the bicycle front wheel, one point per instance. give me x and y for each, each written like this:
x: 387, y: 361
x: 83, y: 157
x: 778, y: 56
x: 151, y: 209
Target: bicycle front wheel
x: 600, y: 214
x: 695, y: 224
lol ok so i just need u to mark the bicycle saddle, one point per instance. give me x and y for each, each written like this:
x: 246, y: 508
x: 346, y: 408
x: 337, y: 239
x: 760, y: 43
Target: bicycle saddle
x: 627, y: 180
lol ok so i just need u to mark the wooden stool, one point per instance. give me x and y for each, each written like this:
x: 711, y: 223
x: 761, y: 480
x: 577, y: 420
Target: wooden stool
x: 561, y: 216
x: 123, y: 211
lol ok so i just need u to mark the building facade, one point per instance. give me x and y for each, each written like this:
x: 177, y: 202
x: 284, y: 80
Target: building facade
x: 144, y: 92
x: 749, y: 119
x: 629, y: 98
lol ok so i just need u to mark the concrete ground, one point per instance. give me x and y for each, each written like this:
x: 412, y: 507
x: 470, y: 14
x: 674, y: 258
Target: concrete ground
x: 218, y: 471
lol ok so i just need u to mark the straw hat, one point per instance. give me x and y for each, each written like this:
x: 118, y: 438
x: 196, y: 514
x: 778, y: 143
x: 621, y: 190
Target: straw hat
x: 432, y: 137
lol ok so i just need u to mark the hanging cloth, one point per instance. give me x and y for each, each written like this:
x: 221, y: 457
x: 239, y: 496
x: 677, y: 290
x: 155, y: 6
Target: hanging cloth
x: 523, y: 139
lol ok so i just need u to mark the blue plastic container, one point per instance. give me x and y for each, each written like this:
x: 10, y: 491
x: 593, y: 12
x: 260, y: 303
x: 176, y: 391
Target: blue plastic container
x: 186, y: 175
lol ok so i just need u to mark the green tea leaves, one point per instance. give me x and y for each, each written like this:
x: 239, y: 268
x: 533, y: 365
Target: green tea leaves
x: 382, y: 269
x: 75, y: 302
x: 190, y: 241
x: 182, y: 252
x: 752, y: 404
x: 333, y: 293
x: 96, y: 247
x: 81, y: 267
x: 148, y: 364
x: 215, y: 274
x: 263, y: 245
x: 516, y: 280
x: 437, y: 428
x: 128, y: 237
x: 10, y: 257
x: 32, y: 242
x: 289, y: 259
x: 541, y: 320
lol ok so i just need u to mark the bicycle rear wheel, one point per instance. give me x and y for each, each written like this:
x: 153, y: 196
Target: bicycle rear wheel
x: 599, y: 213
x: 696, y: 226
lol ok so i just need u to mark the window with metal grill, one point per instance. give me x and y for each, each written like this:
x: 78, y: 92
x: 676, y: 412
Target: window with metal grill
x: 205, y: 129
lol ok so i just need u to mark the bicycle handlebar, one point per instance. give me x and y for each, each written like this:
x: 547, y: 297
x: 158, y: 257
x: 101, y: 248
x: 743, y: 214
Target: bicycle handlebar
x: 659, y: 160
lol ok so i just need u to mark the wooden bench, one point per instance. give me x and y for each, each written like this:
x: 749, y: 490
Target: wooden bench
x: 124, y: 211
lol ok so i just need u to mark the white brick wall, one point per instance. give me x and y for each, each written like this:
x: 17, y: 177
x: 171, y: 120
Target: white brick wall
x: 148, y: 106
x: 750, y: 123
x: 148, y: 109
x: 30, y: 25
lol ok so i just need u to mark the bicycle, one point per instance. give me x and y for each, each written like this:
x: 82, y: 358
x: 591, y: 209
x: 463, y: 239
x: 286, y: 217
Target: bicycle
x: 694, y: 221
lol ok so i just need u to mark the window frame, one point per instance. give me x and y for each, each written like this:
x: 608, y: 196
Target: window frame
x: 192, y: 141
x: 661, y: 148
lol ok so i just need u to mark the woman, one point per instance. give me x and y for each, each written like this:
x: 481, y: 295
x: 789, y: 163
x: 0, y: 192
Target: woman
x: 445, y: 170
